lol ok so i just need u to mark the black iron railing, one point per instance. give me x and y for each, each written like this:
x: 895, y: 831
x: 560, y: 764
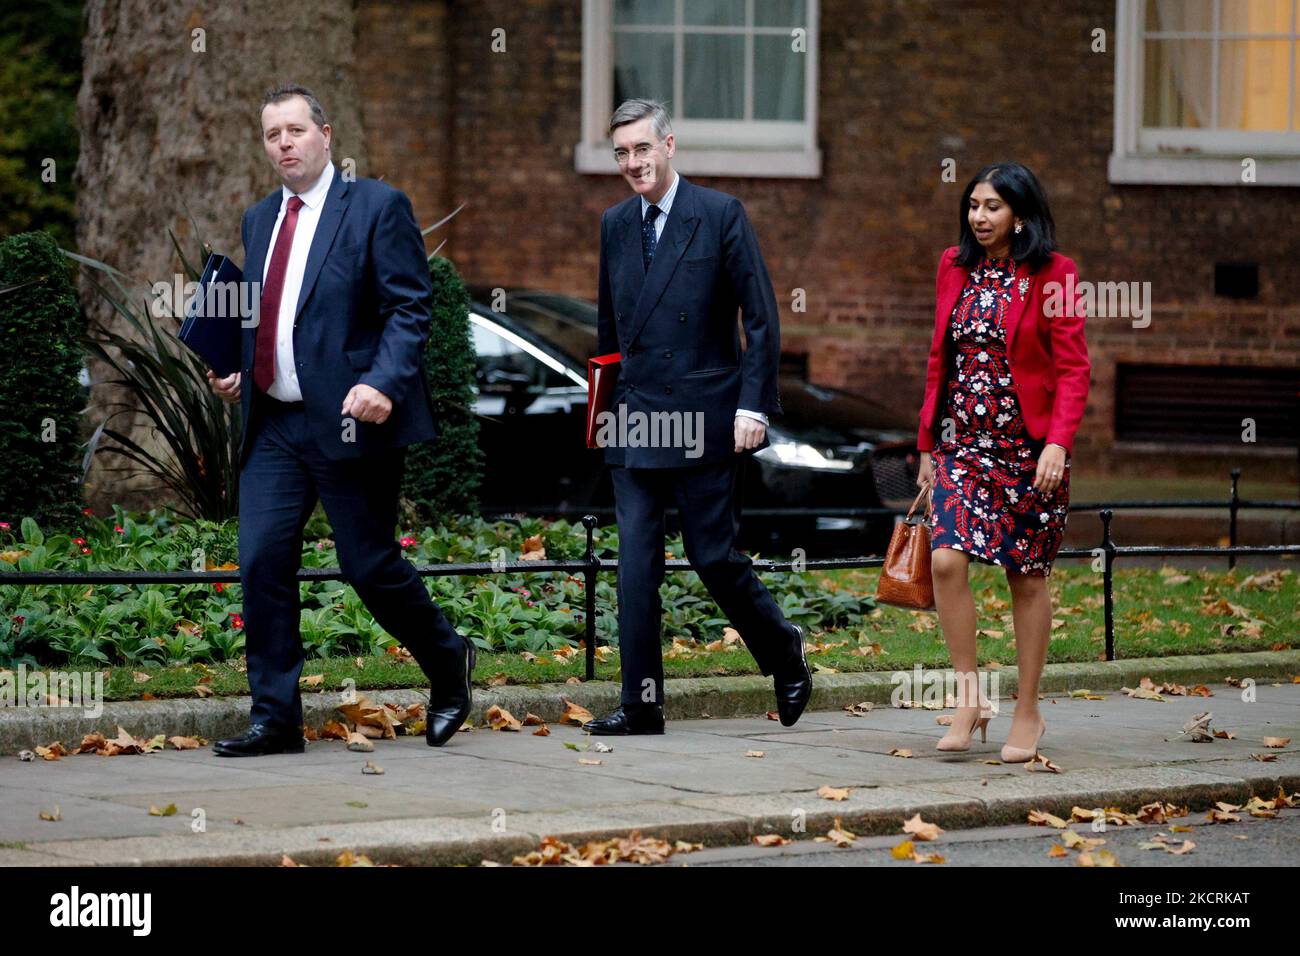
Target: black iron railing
x: 591, y: 566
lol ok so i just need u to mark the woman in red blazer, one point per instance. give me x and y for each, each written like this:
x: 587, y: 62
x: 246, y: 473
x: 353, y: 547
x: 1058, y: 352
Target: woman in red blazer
x: 1005, y: 389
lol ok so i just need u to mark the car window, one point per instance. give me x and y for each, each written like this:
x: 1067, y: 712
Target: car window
x: 506, y: 368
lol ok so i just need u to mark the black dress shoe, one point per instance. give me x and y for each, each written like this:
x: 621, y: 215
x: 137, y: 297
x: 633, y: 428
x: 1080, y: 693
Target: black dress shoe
x: 793, y: 685
x: 451, y: 695
x: 628, y: 720
x: 260, y: 740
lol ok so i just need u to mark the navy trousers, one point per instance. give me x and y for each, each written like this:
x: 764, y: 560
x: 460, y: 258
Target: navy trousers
x: 283, y: 475
x: 706, y: 498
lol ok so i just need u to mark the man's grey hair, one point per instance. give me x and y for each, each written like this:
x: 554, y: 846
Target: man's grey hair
x: 632, y: 111
x: 288, y: 90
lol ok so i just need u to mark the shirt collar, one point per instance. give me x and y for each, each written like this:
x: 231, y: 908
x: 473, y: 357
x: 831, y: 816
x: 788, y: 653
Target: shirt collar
x: 314, y: 194
x: 666, y: 203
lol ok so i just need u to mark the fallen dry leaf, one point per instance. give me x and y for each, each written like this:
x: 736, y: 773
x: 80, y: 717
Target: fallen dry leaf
x: 575, y: 714
x: 827, y: 792
x: 1040, y: 818
x: 921, y: 830
x: 360, y: 743
x: 498, y: 718
x: 770, y: 839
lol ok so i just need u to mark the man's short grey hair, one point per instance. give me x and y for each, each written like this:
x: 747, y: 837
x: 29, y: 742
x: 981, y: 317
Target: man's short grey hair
x: 632, y: 111
x: 288, y: 90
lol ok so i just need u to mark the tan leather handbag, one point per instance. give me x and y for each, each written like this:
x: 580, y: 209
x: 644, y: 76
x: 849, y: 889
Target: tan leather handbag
x: 905, y: 577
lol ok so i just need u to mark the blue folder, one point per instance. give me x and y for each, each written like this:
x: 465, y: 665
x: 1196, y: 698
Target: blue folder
x: 214, y: 317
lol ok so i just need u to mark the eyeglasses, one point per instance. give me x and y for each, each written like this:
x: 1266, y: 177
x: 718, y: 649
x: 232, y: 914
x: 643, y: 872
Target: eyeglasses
x: 640, y: 151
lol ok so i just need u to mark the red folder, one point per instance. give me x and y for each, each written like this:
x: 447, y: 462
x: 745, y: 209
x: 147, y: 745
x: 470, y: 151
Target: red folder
x: 602, y: 376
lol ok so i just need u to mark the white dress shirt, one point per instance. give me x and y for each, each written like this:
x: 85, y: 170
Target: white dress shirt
x: 285, y: 387
x: 665, y: 205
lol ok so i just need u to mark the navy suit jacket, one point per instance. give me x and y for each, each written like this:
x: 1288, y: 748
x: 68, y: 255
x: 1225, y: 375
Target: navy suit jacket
x: 675, y: 324
x: 362, y: 318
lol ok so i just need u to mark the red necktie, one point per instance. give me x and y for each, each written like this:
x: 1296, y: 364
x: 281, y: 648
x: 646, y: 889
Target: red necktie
x: 272, y: 286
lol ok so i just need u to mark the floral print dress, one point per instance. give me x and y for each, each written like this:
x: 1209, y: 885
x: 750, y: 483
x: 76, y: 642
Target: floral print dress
x: 984, y: 500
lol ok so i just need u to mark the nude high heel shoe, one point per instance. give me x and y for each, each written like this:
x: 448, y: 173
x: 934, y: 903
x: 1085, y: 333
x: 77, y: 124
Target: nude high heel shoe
x: 1023, y: 754
x: 956, y: 741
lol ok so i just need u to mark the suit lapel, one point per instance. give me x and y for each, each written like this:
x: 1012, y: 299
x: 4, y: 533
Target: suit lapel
x: 263, y: 224
x: 954, y: 281
x: 1018, y: 300
x: 629, y: 247
x: 678, y: 230
x: 336, y: 204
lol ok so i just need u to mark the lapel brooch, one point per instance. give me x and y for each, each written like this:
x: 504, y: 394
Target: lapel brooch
x: 1023, y: 287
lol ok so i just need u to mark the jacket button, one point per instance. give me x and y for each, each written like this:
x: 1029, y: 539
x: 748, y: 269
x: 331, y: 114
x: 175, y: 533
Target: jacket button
x: 668, y: 389
x: 620, y: 316
x: 668, y: 354
x: 681, y: 317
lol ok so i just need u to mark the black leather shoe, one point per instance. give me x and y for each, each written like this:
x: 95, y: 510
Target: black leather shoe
x: 628, y: 721
x: 260, y: 740
x: 451, y: 695
x: 793, y: 685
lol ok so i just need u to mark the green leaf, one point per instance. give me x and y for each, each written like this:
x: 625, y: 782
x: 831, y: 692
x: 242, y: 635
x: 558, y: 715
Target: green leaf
x: 32, y: 533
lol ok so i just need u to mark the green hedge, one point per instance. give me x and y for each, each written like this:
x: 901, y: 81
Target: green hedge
x: 443, y: 477
x: 40, y: 454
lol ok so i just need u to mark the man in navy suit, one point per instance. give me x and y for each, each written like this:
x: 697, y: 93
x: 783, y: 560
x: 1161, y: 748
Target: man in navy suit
x: 332, y: 391
x: 677, y: 264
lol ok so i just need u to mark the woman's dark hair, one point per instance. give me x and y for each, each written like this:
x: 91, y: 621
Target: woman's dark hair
x: 1020, y: 189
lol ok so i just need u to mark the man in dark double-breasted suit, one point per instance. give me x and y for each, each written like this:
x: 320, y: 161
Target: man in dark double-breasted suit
x: 677, y: 264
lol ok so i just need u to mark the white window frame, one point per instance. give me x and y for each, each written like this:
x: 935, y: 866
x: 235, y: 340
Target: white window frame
x: 1183, y: 156
x: 760, y: 148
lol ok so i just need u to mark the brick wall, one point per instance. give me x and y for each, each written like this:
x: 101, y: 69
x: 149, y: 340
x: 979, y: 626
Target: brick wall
x: 904, y: 85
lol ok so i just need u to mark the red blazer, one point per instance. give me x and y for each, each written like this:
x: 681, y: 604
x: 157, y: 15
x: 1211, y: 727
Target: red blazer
x: 1047, y: 354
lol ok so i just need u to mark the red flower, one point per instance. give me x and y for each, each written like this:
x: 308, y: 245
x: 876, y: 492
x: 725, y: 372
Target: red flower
x: 85, y: 551
x: 80, y: 541
x: 408, y: 542
x: 4, y: 525
x: 119, y: 529
x: 236, y: 621
x: 219, y: 586
x: 88, y: 511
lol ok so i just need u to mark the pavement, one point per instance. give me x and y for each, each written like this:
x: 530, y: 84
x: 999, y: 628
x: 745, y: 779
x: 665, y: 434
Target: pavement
x: 493, y: 795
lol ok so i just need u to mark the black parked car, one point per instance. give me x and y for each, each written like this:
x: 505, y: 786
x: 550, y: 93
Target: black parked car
x: 829, y: 450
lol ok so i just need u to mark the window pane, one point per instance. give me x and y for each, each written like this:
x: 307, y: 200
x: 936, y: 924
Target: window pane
x: 714, y: 13
x: 643, y: 12
x: 780, y: 13
x: 643, y: 66
x: 1180, y: 15
x: 1253, y: 77
x: 1255, y: 16
x: 778, y: 79
x: 1177, y: 90
x: 714, y: 76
